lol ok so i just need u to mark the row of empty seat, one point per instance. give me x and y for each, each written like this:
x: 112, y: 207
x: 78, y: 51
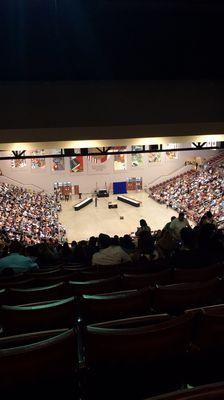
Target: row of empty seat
x: 122, y: 335
x: 162, y: 275
x: 101, y: 300
x: 136, y: 356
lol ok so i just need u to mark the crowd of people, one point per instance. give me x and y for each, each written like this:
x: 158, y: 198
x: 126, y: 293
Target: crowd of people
x: 29, y: 216
x: 176, y: 244
x: 194, y: 192
x: 31, y: 236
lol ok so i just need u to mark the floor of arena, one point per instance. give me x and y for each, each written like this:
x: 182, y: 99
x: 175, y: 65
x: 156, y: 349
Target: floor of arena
x: 91, y: 220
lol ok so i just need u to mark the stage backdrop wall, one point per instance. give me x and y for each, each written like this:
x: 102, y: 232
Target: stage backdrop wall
x: 43, y: 174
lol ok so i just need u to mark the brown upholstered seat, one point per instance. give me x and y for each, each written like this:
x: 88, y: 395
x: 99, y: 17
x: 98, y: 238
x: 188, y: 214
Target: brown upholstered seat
x: 104, y: 307
x: 41, y: 363
x: 178, y: 297
x: 95, y: 286
x: 213, y: 391
x: 35, y: 294
x: 38, y: 316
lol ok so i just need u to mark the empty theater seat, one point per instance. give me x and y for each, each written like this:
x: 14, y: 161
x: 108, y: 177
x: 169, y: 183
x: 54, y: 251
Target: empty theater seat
x: 198, y: 275
x: 41, y: 363
x: 104, y: 307
x: 178, y: 297
x: 38, y: 316
x: 35, y: 294
x: 135, y: 281
x: 95, y: 286
x: 129, y: 362
x: 214, y: 391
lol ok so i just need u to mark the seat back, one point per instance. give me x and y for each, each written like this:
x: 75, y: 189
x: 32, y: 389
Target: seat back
x: 36, y: 294
x: 2, y: 296
x: 23, y: 282
x: 213, y: 391
x: 38, y: 363
x: 178, y: 297
x: 38, y: 316
x: 197, y: 275
x: 45, y: 272
x: 62, y: 275
x: 92, y: 274
x: 107, y: 268
x: 104, y: 307
x: 14, y: 277
x: 142, y: 266
x: 209, y: 335
x: 25, y: 339
x: 95, y: 286
x: 147, y: 344
x: 135, y: 281
x: 135, y: 322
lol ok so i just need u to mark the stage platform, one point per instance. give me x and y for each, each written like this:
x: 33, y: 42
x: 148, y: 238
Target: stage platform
x: 83, y: 203
x: 129, y: 200
x: 91, y: 220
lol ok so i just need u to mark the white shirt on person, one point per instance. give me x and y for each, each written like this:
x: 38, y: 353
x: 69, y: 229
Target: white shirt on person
x: 112, y: 255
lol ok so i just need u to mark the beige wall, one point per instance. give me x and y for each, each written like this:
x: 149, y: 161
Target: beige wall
x: 45, y: 179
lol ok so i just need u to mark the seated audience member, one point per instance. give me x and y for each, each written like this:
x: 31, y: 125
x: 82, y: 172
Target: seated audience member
x: 109, y: 254
x: 16, y: 261
x: 73, y: 244
x: 211, y: 244
x: 2, y: 247
x: 91, y: 248
x: 207, y: 218
x: 28, y: 216
x: 80, y: 253
x: 127, y: 244
x: 32, y: 252
x: 66, y: 253
x: 187, y: 255
x: 45, y: 256
x: 177, y: 224
x: 115, y: 241
x: 157, y: 235
x: 195, y: 191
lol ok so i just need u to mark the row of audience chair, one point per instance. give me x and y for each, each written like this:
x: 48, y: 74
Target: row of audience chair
x: 99, y: 299
x: 145, y: 354
x: 162, y: 354
x: 128, y: 274
x: 138, y: 356
x: 87, y: 335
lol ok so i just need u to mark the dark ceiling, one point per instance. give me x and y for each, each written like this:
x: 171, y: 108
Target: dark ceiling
x: 111, y: 39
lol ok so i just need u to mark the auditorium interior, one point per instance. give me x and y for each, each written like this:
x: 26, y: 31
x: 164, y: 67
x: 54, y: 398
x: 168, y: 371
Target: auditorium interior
x: 112, y: 199
x: 98, y: 306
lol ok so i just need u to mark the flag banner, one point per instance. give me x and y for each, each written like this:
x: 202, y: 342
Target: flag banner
x: 38, y: 163
x: 100, y: 164
x: 76, y: 164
